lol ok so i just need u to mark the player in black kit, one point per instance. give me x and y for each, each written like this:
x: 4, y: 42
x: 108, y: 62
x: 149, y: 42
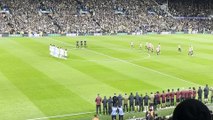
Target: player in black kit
x: 77, y: 44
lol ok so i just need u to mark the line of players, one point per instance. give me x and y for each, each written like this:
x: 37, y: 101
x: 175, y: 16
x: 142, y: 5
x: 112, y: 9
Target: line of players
x: 148, y: 46
x: 81, y: 44
x: 139, y: 103
x: 58, y: 52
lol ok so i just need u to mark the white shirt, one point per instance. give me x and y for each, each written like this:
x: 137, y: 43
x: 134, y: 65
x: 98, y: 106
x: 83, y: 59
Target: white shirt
x: 54, y: 50
x: 159, y: 46
x: 179, y: 46
x: 120, y: 111
x: 61, y: 51
x: 57, y: 50
x: 114, y: 111
x: 65, y: 53
x: 157, y: 49
x: 50, y: 47
x: 140, y: 45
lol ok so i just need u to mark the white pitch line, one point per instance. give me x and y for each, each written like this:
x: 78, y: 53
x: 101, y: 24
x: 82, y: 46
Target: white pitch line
x: 60, y: 116
x: 110, y: 60
x: 171, y: 76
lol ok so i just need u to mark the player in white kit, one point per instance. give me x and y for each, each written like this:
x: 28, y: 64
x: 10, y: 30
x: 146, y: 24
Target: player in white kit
x: 132, y: 44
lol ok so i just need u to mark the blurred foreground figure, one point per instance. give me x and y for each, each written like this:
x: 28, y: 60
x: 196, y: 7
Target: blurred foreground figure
x: 191, y: 109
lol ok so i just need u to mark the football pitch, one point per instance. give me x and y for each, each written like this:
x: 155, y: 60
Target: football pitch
x: 34, y: 85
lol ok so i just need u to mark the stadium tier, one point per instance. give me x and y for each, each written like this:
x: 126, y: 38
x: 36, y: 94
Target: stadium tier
x: 105, y: 16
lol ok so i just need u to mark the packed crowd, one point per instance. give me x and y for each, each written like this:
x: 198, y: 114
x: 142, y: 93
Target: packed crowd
x: 191, y: 8
x: 89, y: 16
x: 150, y: 102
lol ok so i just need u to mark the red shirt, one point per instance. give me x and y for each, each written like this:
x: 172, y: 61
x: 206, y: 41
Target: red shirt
x: 178, y: 95
x: 182, y: 94
x: 186, y: 94
x: 172, y: 94
x: 167, y: 95
x: 163, y: 96
x: 190, y: 92
x: 158, y: 97
x: 194, y: 93
x: 98, y: 100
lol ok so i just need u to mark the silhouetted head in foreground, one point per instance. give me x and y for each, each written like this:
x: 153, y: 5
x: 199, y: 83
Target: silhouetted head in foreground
x: 191, y: 110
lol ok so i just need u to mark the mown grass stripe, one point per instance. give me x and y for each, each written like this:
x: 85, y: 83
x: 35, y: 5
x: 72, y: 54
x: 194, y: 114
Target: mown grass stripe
x: 15, y: 105
x: 45, y: 93
x: 102, y: 54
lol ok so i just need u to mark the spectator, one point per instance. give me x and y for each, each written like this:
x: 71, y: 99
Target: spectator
x: 71, y: 16
x: 191, y: 109
x: 150, y: 115
x: 95, y: 117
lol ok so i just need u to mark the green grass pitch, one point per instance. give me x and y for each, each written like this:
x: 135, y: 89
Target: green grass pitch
x: 34, y: 85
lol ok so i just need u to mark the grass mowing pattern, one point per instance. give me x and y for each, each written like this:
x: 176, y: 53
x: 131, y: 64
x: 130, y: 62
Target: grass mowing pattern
x: 34, y: 85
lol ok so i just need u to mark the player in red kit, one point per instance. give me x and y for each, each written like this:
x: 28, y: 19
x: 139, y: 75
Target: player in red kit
x: 194, y: 93
x: 163, y: 99
x: 158, y: 100
x: 182, y: 95
x: 178, y: 96
x: 172, y: 95
x: 168, y: 98
x: 186, y: 94
x: 190, y: 92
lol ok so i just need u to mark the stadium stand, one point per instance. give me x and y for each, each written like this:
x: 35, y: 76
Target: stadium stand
x: 191, y: 8
x: 105, y: 16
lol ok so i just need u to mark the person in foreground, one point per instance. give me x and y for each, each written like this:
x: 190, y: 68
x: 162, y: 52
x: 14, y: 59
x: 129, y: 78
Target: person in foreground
x: 95, y: 117
x: 191, y: 109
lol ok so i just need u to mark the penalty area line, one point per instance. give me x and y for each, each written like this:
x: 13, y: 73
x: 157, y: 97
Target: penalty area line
x: 60, y: 116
